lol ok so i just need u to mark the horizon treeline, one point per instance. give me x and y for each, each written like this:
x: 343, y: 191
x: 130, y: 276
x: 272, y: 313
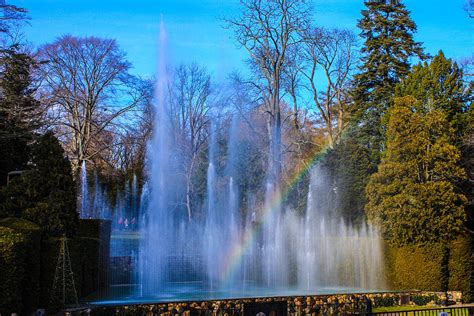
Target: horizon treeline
x: 392, y: 125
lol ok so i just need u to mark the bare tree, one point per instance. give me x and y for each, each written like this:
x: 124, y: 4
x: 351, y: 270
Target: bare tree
x: 267, y: 30
x: 88, y: 90
x: 331, y: 53
x: 469, y: 8
x: 292, y: 81
x: 11, y: 19
x: 189, y: 97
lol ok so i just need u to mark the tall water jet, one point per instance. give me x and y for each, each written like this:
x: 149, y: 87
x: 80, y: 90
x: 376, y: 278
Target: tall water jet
x: 134, y: 200
x: 256, y: 245
x: 84, y: 207
x: 211, y: 247
x: 157, y: 242
x: 345, y: 255
x: 233, y: 197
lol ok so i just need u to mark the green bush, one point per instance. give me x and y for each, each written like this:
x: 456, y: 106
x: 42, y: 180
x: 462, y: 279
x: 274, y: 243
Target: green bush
x: 19, y: 266
x: 45, y: 194
x: 422, y: 267
x: 415, y: 267
x: 386, y: 301
x: 28, y: 263
x: 422, y: 300
x: 84, y: 255
x: 10, y: 272
x: 461, y: 266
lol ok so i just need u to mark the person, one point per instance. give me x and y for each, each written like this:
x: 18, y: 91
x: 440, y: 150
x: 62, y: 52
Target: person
x: 120, y: 222
x: 125, y: 223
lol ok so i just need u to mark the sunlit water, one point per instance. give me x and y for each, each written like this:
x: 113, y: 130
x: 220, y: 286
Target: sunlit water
x: 122, y: 295
x: 270, y: 251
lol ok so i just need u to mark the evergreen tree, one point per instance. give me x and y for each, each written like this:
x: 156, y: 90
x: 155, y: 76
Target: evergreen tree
x: 388, y: 30
x: 18, y: 111
x: 347, y: 163
x: 467, y: 150
x: 46, y: 194
x: 413, y: 194
x: 440, y: 85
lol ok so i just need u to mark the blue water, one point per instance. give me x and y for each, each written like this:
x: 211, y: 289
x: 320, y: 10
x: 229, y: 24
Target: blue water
x: 125, y: 295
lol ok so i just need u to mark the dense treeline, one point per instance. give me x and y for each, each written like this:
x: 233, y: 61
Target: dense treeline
x: 397, y: 138
x: 80, y: 89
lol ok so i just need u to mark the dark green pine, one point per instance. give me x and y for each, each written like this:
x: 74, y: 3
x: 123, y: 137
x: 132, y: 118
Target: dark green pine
x: 387, y: 30
x: 18, y: 110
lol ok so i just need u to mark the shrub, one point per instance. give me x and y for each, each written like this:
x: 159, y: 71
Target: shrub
x: 46, y: 194
x: 386, y: 300
x: 19, y: 266
x: 422, y: 300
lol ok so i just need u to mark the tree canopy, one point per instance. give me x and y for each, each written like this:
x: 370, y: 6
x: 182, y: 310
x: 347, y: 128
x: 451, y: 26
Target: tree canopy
x: 20, y: 112
x: 413, y: 194
x: 46, y: 194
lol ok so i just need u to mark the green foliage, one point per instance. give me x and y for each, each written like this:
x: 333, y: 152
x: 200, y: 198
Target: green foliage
x: 422, y: 300
x: 461, y: 267
x: 18, y: 110
x: 10, y: 273
x: 84, y: 254
x: 387, y: 30
x: 386, y: 300
x: 423, y: 267
x: 46, y: 194
x: 350, y: 166
x: 19, y: 266
x: 413, y: 267
x: 413, y: 195
x: 439, y: 85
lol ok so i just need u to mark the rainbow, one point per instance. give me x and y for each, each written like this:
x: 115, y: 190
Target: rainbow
x: 276, y: 200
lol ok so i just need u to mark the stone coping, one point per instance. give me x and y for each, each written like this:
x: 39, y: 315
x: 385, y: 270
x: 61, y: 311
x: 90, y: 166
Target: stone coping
x: 329, y: 297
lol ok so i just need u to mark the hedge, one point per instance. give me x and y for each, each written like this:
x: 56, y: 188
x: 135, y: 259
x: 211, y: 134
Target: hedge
x: 421, y: 267
x: 461, y: 267
x: 19, y: 266
x: 28, y: 263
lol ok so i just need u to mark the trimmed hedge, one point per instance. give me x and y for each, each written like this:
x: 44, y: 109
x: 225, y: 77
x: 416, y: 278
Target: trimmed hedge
x: 11, y: 273
x: 84, y: 257
x: 461, y: 267
x: 101, y: 229
x: 28, y: 263
x: 421, y: 267
x: 415, y: 267
x: 19, y: 266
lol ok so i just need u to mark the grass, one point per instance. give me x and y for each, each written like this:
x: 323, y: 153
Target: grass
x: 421, y: 310
x: 125, y: 235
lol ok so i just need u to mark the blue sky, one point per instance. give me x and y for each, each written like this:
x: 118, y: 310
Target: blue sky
x: 195, y: 30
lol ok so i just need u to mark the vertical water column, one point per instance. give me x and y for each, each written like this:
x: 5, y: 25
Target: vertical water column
x: 157, y: 234
x: 233, y: 218
x: 134, y: 202
x: 84, y: 207
x: 273, y: 253
x: 212, y: 228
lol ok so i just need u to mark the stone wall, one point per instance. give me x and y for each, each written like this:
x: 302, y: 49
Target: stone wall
x: 295, y: 306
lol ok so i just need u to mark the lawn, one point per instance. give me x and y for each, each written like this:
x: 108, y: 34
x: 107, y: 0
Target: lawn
x: 421, y: 310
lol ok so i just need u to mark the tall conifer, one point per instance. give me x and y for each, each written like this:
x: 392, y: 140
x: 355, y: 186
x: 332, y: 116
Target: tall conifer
x: 387, y: 30
x: 19, y: 110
